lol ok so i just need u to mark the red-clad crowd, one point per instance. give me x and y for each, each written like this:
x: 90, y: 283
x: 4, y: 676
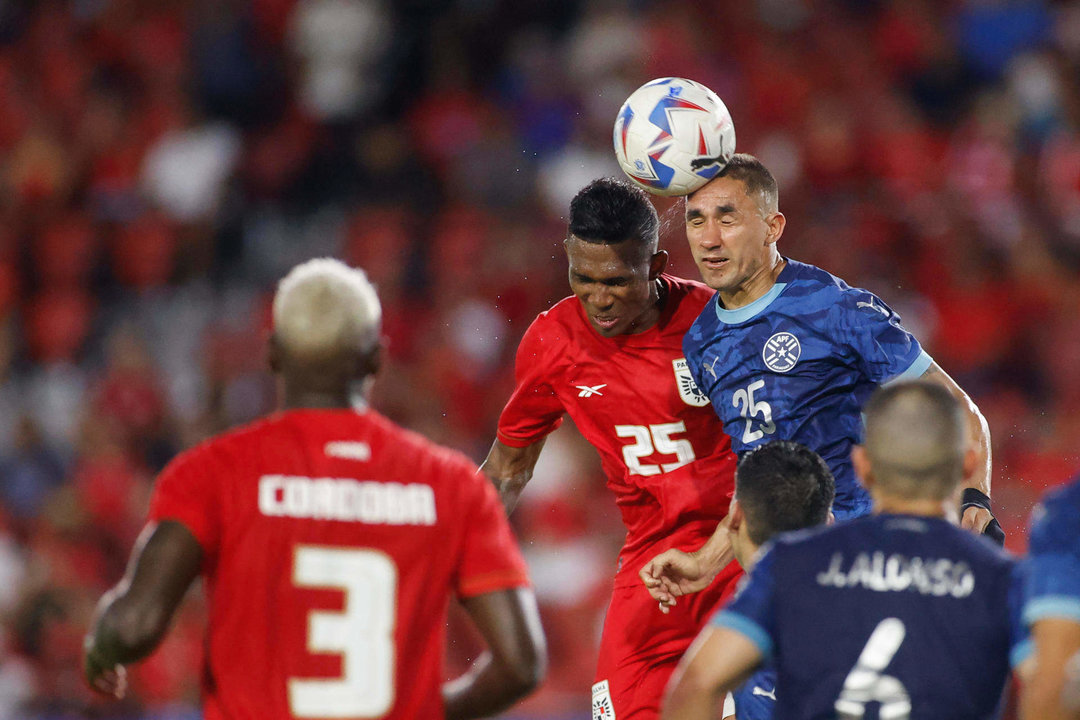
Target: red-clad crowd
x: 163, y: 163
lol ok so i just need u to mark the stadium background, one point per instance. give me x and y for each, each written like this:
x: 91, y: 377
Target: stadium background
x: 163, y: 163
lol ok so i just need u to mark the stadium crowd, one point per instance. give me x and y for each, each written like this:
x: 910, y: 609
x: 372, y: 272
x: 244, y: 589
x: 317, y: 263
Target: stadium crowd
x: 163, y: 163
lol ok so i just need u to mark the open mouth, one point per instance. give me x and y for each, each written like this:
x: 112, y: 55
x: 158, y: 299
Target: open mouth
x: 714, y: 263
x: 605, y: 322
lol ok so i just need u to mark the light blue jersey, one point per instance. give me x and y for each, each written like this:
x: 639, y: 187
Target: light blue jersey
x: 1053, y: 578
x: 798, y: 364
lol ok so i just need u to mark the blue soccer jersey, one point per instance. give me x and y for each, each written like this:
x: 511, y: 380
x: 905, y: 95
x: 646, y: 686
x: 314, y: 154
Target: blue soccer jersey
x: 798, y: 363
x: 756, y: 699
x: 887, y: 616
x: 1053, y: 577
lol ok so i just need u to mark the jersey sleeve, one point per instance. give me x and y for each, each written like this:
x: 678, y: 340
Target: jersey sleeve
x: 490, y: 559
x: 752, y: 611
x: 1052, y: 582
x: 884, y: 350
x: 187, y: 492
x: 1020, y: 645
x: 534, y: 410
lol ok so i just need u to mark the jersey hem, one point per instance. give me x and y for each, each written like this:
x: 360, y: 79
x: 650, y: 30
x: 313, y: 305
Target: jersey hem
x: 1052, y: 606
x: 493, y: 582
x: 915, y: 370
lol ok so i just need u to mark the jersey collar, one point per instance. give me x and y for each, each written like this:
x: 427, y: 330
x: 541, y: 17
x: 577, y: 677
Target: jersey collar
x: 746, y: 312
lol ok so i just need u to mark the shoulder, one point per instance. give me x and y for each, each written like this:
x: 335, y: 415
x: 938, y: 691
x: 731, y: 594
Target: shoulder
x: 425, y: 453
x: 559, y: 325
x: 225, y: 446
x: 1055, y: 521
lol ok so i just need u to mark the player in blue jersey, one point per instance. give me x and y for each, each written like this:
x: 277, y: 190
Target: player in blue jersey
x: 787, y: 351
x: 779, y: 486
x: 897, y: 615
x: 1052, y: 608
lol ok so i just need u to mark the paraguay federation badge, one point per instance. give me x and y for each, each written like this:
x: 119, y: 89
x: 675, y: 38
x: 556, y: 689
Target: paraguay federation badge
x: 781, y: 352
x: 688, y: 390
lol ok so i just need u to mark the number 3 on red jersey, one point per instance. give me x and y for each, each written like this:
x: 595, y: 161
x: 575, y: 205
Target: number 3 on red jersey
x: 362, y: 633
x: 649, y: 439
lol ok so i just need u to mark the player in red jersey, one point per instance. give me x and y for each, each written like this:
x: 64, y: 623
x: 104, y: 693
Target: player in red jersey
x: 330, y: 540
x: 611, y: 358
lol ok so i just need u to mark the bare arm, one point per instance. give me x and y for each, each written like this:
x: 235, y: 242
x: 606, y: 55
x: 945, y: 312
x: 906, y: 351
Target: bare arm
x: 133, y: 617
x: 510, y: 468
x: 674, y: 573
x: 515, y: 662
x: 975, y: 518
x: 719, y: 661
x: 1057, y: 641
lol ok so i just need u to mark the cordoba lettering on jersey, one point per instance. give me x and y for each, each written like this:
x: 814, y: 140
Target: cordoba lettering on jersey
x: 373, y: 503
x: 898, y: 573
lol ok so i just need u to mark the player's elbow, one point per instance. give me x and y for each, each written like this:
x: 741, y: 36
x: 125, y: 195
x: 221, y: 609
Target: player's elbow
x: 526, y: 669
x: 136, y: 628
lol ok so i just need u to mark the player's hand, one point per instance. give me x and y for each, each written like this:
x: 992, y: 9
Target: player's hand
x: 107, y: 680
x: 976, y: 519
x: 674, y: 573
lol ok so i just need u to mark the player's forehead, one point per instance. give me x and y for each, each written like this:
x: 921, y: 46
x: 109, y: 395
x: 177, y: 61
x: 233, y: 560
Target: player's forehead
x: 718, y: 194
x: 606, y: 260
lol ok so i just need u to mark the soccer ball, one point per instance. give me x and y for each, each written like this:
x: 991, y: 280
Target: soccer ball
x: 673, y: 135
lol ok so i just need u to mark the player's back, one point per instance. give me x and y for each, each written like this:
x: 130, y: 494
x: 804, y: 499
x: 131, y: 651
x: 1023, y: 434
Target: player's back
x: 332, y: 540
x: 896, y: 616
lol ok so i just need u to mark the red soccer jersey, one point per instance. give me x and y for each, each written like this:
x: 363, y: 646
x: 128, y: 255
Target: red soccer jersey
x: 665, y: 453
x: 332, y: 542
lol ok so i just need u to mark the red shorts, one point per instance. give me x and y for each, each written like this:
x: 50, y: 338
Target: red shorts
x: 641, y: 646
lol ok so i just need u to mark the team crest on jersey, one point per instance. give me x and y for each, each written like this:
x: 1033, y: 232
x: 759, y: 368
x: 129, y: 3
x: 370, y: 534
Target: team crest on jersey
x: 602, y: 709
x: 781, y: 352
x: 688, y: 390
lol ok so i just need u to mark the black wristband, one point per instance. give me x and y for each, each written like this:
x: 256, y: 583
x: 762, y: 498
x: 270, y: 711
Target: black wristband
x: 977, y: 498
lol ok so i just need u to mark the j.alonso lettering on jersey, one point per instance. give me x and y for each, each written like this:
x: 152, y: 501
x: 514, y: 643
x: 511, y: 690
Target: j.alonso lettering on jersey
x: 940, y: 577
x: 346, y: 500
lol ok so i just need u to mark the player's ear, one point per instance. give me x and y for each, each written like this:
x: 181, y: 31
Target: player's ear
x: 273, y: 354
x: 657, y: 264
x: 861, y: 461
x: 735, y: 512
x: 776, y: 222
x: 368, y: 363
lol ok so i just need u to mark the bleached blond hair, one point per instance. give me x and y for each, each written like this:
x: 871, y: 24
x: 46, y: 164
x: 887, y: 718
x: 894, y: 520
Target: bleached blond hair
x: 323, y: 307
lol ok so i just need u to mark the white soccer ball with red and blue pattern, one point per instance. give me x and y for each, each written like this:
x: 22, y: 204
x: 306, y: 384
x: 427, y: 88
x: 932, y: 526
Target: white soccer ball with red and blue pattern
x: 673, y: 135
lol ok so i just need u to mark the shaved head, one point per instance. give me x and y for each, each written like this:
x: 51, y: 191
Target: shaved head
x: 325, y: 310
x: 916, y: 439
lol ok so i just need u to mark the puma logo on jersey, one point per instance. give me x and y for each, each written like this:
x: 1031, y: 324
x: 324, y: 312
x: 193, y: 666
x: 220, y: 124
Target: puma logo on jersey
x: 587, y: 391
x: 872, y: 306
x: 711, y: 367
x: 771, y: 694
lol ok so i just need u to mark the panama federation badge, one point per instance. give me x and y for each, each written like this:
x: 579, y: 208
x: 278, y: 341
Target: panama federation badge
x: 602, y: 709
x: 688, y: 390
x: 781, y: 352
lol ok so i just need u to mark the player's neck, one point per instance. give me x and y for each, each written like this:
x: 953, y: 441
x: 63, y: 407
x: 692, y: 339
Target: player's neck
x: 293, y: 398
x: 924, y: 507
x: 756, y: 286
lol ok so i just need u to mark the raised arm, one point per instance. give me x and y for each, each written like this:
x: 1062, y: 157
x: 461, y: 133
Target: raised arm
x: 133, y: 617
x: 976, y: 513
x: 514, y: 663
x: 510, y: 469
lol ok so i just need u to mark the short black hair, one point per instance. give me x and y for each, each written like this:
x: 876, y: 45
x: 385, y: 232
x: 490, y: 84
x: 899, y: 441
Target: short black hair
x: 610, y: 211
x: 751, y: 172
x: 783, y: 486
